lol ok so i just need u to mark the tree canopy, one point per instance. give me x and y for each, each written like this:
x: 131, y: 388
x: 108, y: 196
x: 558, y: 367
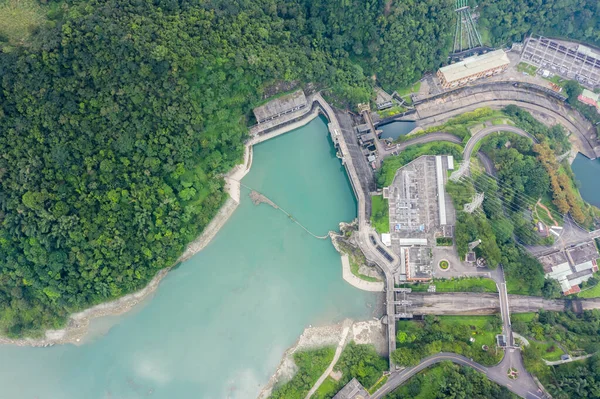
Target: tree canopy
x: 117, y: 119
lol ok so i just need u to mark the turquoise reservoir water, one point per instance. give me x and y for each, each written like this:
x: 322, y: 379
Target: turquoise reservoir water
x: 396, y: 129
x: 219, y: 324
x: 587, y: 173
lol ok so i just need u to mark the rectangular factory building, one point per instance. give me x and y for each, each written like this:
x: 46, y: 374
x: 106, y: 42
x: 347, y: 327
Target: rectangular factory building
x: 473, y: 68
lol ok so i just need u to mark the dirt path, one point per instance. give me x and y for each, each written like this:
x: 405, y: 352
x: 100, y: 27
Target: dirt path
x: 336, y: 357
x: 544, y: 207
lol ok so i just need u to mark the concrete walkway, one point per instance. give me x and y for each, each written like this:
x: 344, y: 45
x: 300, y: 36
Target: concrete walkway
x: 338, y: 352
x: 356, y: 281
x: 572, y: 359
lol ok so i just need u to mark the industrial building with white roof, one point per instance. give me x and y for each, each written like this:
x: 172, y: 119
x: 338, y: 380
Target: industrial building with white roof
x: 473, y: 68
x: 572, y: 266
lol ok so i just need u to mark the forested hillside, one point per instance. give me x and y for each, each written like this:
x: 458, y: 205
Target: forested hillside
x: 117, y: 118
x: 509, y: 20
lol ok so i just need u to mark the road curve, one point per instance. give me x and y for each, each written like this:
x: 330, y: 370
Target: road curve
x: 496, y: 374
x: 477, y: 137
x: 429, y: 137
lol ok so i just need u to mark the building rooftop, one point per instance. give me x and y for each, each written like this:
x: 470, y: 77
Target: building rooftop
x: 352, y: 390
x: 584, y: 252
x: 284, y: 104
x: 552, y: 260
x: 474, y: 65
x: 364, y: 128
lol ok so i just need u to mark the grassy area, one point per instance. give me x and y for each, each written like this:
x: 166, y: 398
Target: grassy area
x: 355, y: 267
x: 527, y: 68
x: 443, y: 241
x: 327, y: 389
x: 593, y: 292
x: 311, y: 364
x: 459, y: 125
x: 386, y: 174
x: 549, y: 350
x: 516, y: 286
x: 428, y: 390
x: 464, y: 335
x: 355, y: 258
x: 380, y: 214
x: 395, y: 110
x: 473, y: 284
x: 18, y: 18
x: 378, y: 384
x: 469, y: 284
x: 524, y: 317
x: 405, y: 91
x: 557, y: 80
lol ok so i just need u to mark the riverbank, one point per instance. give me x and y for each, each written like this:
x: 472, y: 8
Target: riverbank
x: 78, y: 323
x: 361, y: 332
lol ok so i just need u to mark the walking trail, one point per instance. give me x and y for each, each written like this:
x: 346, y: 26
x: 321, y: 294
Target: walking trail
x: 539, y: 203
x: 338, y: 352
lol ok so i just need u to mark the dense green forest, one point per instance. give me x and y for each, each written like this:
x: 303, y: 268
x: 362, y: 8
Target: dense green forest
x: 577, y: 334
x: 118, y: 117
x: 509, y: 21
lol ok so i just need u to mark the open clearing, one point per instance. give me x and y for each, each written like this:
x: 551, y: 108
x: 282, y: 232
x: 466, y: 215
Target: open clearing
x: 18, y: 18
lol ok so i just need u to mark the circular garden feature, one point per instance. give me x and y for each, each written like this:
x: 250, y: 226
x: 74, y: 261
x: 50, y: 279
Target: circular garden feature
x: 444, y: 265
x: 513, y: 373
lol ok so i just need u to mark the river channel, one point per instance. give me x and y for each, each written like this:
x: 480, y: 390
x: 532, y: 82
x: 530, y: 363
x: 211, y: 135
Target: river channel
x: 218, y: 325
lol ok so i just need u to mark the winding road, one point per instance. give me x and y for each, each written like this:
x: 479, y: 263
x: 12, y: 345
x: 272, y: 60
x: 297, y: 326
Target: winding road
x: 483, y: 133
x: 524, y: 386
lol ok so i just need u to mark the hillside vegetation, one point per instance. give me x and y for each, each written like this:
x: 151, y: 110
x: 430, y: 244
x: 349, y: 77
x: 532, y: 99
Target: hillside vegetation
x: 119, y: 117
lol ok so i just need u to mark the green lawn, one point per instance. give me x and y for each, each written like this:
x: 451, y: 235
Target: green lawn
x: 482, y: 333
x: 593, y: 292
x: 18, y: 17
x: 549, y: 350
x: 527, y: 68
x: 473, y: 284
x: 395, y: 110
x: 329, y: 386
x: 404, y: 91
x: 470, y: 284
x: 380, y: 214
x: 524, y: 317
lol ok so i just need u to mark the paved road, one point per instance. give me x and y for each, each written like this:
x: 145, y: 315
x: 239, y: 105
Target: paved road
x: 500, y: 94
x: 487, y: 163
x: 427, y: 138
x: 365, y: 232
x: 524, y: 386
x: 490, y: 130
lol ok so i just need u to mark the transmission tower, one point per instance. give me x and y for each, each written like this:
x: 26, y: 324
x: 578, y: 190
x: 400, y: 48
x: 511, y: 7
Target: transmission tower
x: 461, y: 171
x: 466, y: 36
x: 476, y: 203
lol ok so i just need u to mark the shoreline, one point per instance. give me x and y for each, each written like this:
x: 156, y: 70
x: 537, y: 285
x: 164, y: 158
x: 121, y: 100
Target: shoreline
x: 77, y: 326
x: 362, y: 332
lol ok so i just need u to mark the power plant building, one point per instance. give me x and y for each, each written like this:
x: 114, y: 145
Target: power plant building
x: 473, y: 68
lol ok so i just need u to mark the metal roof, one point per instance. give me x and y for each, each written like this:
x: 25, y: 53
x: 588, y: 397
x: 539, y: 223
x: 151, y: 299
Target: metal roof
x: 474, y: 65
